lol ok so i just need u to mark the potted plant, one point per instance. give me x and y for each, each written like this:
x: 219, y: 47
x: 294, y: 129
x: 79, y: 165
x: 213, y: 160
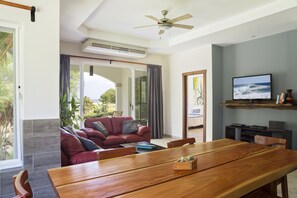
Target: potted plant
x: 69, y: 112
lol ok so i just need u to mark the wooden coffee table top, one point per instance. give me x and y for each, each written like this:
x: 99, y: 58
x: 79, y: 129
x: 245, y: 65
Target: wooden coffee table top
x: 141, y: 150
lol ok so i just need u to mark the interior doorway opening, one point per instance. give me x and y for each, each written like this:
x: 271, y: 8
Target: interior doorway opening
x: 194, y: 105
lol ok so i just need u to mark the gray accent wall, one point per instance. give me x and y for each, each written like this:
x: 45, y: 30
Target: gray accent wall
x: 217, y: 81
x: 275, y: 54
x: 41, y: 146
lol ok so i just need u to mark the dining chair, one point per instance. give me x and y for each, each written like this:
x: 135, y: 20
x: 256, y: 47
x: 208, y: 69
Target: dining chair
x: 117, y: 152
x: 21, y: 185
x: 177, y: 143
x: 278, y: 142
x: 270, y: 141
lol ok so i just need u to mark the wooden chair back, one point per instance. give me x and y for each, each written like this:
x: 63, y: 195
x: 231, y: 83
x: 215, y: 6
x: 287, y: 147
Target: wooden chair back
x: 118, y: 152
x: 21, y: 185
x: 282, y: 143
x: 177, y: 143
x: 271, y: 141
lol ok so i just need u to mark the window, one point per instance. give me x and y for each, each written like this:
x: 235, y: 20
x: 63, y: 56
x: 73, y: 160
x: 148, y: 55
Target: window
x: 10, y: 153
x: 98, y: 93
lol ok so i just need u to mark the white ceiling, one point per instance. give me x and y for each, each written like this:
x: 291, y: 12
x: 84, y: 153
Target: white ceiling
x: 220, y: 22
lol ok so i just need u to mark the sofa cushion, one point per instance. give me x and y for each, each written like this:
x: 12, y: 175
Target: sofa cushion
x: 113, y: 140
x: 131, y: 138
x: 88, y: 144
x: 118, y: 125
x: 70, y: 144
x: 100, y: 127
x: 129, y: 126
x: 106, y: 121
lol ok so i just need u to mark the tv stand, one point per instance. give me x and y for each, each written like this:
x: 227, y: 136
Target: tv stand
x: 247, y: 133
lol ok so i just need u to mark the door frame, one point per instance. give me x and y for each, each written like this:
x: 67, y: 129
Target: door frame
x: 185, y: 101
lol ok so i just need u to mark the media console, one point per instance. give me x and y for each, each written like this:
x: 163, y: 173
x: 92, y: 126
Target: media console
x: 247, y: 133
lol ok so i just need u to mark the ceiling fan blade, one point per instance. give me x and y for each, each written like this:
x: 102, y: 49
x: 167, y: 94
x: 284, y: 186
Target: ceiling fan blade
x: 161, y: 32
x: 152, y: 17
x: 145, y: 26
x: 180, y: 18
x: 189, y: 27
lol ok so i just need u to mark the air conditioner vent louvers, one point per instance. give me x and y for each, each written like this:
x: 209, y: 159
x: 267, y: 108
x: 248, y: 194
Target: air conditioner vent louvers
x: 122, y: 49
x: 137, y: 51
x: 101, y: 45
x: 115, y: 49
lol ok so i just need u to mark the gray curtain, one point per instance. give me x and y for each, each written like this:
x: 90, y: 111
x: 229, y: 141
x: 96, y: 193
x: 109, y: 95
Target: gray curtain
x: 64, y: 75
x: 155, y: 100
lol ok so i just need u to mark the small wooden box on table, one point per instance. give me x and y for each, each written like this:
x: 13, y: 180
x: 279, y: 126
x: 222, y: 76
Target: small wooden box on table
x: 187, y: 165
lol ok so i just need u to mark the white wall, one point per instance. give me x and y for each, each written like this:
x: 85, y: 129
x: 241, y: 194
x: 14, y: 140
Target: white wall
x: 40, y: 57
x: 179, y: 63
x: 126, y: 95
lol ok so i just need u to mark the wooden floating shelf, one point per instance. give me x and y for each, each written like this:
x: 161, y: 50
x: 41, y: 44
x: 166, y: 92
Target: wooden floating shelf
x: 268, y: 104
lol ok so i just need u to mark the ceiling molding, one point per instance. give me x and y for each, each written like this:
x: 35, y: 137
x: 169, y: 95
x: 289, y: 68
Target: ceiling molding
x: 243, y: 18
x: 270, y: 18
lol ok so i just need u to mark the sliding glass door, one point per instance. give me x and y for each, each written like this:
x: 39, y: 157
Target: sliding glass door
x: 10, y: 141
x: 141, y: 97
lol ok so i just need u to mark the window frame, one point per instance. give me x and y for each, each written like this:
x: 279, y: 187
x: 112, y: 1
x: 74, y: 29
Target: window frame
x: 17, y: 31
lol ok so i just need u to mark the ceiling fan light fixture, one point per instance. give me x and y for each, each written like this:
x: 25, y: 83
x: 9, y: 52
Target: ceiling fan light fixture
x: 165, y: 26
x: 166, y: 23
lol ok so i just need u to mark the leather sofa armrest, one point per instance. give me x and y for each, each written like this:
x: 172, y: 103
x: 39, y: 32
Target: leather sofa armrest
x: 94, y: 133
x: 82, y: 157
x: 142, y: 130
x: 82, y: 134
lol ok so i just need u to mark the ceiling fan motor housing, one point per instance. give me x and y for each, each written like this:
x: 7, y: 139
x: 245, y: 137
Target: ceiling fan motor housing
x: 164, y: 12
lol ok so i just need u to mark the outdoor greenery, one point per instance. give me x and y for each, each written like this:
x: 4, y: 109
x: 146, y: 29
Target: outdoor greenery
x: 69, y: 112
x: 74, y: 82
x: 104, y: 107
x: 6, y: 96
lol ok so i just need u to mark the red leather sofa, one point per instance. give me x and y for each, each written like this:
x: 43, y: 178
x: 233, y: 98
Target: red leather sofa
x: 73, y: 152
x: 116, y: 136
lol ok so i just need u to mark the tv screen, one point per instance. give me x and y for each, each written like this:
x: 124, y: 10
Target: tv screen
x: 252, y: 87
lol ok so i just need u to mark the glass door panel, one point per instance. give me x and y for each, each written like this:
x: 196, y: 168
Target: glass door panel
x: 8, y: 134
x: 141, y: 97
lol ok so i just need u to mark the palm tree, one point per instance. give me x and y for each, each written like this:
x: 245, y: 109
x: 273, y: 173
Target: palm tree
x: 6, y: 42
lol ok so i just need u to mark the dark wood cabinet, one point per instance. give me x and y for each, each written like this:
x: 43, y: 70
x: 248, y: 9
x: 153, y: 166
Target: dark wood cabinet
x: 247, y: 133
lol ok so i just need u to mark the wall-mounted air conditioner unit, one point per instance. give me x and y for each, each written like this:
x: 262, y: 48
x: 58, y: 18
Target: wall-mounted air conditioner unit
x: 113, y: 49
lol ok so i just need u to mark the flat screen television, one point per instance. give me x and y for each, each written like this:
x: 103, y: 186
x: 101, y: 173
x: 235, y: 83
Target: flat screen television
x: 254, y: 87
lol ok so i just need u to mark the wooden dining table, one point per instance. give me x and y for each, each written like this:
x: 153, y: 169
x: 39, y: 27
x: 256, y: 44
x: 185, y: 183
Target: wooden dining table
x: 225, y: 168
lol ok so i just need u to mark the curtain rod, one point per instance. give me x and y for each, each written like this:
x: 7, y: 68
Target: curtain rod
x: 109, y: 60
x: 25, y: 7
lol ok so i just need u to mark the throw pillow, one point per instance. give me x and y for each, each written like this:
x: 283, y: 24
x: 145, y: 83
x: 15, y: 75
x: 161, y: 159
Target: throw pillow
x: 101, y: 128
x: 129, y: 126
x: 88, y: 144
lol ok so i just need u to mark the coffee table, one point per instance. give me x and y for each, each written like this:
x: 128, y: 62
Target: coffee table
x: 140, y: 150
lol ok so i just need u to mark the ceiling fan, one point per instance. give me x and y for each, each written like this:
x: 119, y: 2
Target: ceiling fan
x: 165, y: 23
